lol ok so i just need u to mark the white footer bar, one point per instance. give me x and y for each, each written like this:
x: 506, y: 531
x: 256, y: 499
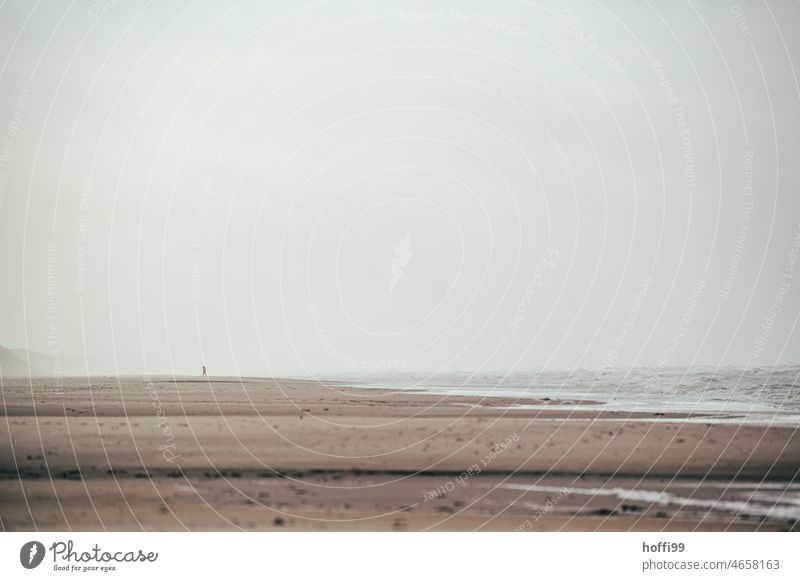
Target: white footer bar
x: 354, y: 556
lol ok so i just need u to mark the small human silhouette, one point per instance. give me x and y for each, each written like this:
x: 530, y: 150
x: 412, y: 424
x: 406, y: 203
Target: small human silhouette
x: 204, y: 371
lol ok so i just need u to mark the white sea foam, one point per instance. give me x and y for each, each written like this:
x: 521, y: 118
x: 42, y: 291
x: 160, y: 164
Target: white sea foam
x: 782, y: 507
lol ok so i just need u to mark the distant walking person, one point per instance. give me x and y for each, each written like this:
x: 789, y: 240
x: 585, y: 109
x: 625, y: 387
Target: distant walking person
x: 204, y: 371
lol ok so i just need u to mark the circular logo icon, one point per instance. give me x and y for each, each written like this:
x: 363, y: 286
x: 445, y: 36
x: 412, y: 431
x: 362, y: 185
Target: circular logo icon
x: 31, y: 554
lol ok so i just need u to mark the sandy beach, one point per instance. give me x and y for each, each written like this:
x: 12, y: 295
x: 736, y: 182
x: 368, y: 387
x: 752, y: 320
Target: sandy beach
x: 174, y: 454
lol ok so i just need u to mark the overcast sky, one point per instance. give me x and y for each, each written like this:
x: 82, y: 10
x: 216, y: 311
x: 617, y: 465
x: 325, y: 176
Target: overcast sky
x: 314, y: 187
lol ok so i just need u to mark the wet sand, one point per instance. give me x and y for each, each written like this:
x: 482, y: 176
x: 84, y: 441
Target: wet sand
x: 253, y: 454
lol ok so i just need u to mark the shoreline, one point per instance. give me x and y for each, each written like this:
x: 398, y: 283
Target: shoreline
x: 583, y: 401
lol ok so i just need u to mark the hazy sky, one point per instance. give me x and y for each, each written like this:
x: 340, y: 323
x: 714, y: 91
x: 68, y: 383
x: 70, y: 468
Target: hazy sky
x: 330, y: 186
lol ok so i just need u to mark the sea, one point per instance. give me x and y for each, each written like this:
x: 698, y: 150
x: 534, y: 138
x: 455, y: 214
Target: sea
x: 721, y: 394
